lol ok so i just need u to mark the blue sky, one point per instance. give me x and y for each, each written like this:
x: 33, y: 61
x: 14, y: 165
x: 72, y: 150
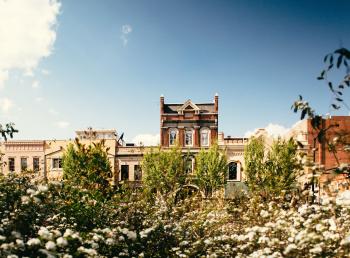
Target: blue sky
x: 109, y: 62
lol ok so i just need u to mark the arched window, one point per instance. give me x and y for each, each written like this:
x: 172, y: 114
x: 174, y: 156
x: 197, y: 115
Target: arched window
x: 232, y: 171
x: 172, y: 136
x: 188, y: 137
x: 204, y: 137
x: 189, y: 163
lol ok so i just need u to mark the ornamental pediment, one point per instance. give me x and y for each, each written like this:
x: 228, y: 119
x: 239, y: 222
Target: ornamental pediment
x: 188, y: 106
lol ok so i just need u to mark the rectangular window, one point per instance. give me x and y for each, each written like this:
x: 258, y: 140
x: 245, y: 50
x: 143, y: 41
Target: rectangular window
x: 232, y: 171
x: 56, y: 163
x: 204, y: 138
x: 137, y: 173
x: 124, y: 172
x: 188, y: 138
x: 172, y: 137
x: 24, y: 164
x: 36, y: 166
x: 11, y: 164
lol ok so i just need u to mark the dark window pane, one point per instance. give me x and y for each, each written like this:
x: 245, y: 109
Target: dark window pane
x: 232, y: 171
x: 137, y: 173
x: 24, y: 164
x: 11, y: 164
x: 36, y: 165
x: 125, y: 172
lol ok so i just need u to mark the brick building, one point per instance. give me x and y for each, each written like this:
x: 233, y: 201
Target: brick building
x: 188, y: 124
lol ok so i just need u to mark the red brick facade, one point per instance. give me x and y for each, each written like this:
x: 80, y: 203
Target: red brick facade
x: 199, y: 121
x: 336, y: 127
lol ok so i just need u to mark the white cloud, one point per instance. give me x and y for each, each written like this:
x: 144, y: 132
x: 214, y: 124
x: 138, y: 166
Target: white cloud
x: 27, y: 34
x: 53, y: 111
x: 6, y: 104
x: 146, y: 139
x: 45, y: 72
x: 62, y: 124
x: 272, y: 130
x: 126, y: 29
x: 35, y: 84
x: 39, y: 99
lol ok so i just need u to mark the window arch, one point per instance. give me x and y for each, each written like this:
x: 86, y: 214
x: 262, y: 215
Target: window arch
x: 205, y: 137
x: 172, y: 136
x: 188, y: 137
x: 233, y: 171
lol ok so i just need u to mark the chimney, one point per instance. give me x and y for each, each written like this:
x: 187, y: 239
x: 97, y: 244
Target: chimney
x: 161, y: 104
x: 216, y: 103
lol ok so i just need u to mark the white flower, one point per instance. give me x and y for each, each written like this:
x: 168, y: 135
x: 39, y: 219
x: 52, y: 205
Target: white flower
x: 316, y: 250
x: 33, y: 241
x: 30, y: 191
x: 50, y: 246
x: 109, y: 241
x: 290, y: 248
x: 68, y: 233
x: 25, y: 199
x: 2, y: 238
x: 346, y: 240
x: 43, y: 188
x: 264, y: 214
x: 44, y: 233
x: 61, y: 242
x: 19, y: 242
x: 332, y: 225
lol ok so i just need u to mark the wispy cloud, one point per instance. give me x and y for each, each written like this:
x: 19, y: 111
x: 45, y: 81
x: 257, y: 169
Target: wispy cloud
x: 6, y: 104
x: 126, y: 30
x: 35, y: 84
x: 146, y: 139
x: 27, y: 34
x: 62, y: 124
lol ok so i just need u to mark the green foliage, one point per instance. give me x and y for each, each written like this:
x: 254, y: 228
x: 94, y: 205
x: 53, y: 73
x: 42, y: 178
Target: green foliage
x: 211, y: 168
x: 7, y: 130
x: 271, y: 171
x: 254, y: 158
x: 165, y: 171
x: 87, y: 166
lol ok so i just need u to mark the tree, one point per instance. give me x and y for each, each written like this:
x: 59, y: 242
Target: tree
x: 211, y: 168
x: 271, y: 170
x: 254, y: 159
x: 87, y: 166
x: 165, y: 171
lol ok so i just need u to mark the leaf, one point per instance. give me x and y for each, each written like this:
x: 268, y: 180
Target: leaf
x: 339, y: 99
x: 341, y: 86
x: 330, y: 86
x: 330, y: 67
x: 323, y: 73
x: 303, y: 113
x: 340, y: 59
x: 331, y: 60
x: 325, y: 58
x: 347, y: 83
x: 335, y: 106
x: 300, y: 144
x: 346, y: 63
x: 320, y: 78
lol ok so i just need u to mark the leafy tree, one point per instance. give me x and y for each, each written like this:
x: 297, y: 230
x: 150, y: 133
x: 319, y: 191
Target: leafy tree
x: 271, y: 170
x: 165, y: 171
x: 254, y: 159
x: 87, y: 166
x: 211, y: 168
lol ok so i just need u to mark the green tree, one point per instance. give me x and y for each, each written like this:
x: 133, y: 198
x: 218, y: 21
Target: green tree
x: 87, y: 166
x: 254, y: 159
x: 271, y: 170
x: 211, y: 168
x: 165, y: 171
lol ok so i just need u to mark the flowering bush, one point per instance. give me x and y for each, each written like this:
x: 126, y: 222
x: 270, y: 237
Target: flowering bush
x: 59, y: 220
